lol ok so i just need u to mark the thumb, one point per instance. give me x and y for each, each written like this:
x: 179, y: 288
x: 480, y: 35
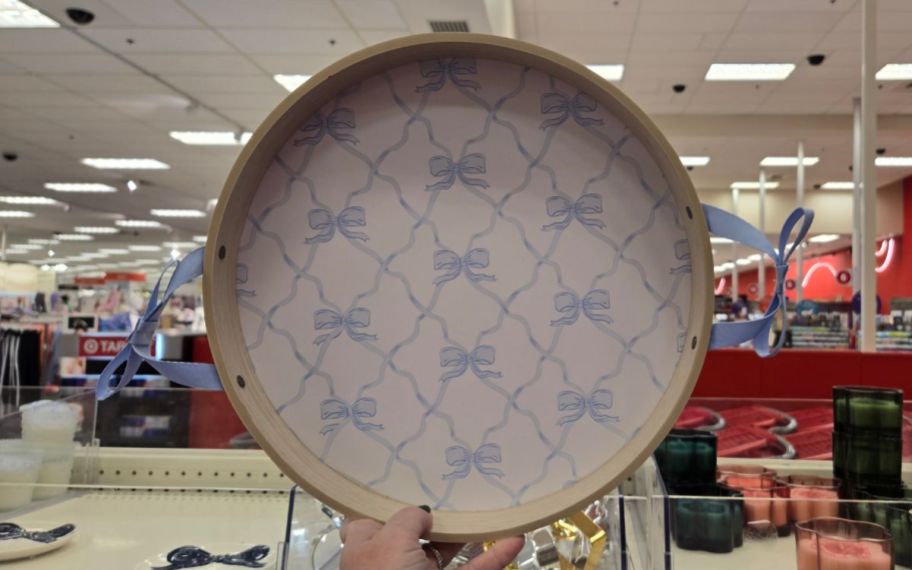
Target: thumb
x: 498, y: 556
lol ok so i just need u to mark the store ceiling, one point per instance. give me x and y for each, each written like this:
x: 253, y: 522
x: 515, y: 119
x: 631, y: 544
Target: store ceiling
x: 76, y: 92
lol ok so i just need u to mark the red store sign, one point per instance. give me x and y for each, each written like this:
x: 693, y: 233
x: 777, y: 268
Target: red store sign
x: 104, y: 346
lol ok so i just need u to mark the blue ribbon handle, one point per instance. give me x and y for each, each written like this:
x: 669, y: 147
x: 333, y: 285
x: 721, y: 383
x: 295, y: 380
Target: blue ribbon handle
x: 724, y: 224
x: 137, y: 350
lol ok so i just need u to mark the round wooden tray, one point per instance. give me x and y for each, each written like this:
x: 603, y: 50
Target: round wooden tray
x: 461, y: 271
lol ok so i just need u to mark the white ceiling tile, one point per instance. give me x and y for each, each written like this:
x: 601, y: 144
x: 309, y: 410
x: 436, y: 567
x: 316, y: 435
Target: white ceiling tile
x: 713, y: 40
x: 309, y: 15
x: 39, y: 99
x: 337, y: 42
x: 665, y: 43
x: 255, y: 100
x: 774, y: 22
x: 198, y: 84
x: 250, y: 117
x: 68, y: 63
x: 56, y: 40
x: 157, y: 14
x: 678, y: 21
x: 774, y: 40
x: 669, y: 57
x: 26, y: 83
x: 197, y: 64
x: 693, y: 5
x: 306, y: 64
x: 159, y: 40
x: 372, y: 14
x: 802, y: 5
x: 568, y: 22
x: 102, y: 83
x: 371, y: 37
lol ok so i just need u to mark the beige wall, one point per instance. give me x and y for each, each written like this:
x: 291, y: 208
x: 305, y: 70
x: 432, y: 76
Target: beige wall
x: 832, y: 209
x: 18, y: 278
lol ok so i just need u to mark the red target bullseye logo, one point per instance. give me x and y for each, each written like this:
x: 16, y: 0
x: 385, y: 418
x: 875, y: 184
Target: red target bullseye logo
x: 844, y: 277
x: 90, y: 346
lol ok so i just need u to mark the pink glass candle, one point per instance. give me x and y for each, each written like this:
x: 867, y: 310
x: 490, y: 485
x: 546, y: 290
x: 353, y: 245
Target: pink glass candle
x: 839, y: 544
x: 766, y: 505
x: 812, y: 497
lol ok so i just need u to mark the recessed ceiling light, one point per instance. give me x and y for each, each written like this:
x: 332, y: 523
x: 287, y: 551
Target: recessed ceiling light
x: 179, y: 244
x: 788, y: 161
x: 144, y: 247
x: 40, y: 241
x: 217, y: 138
x: 893, y: 161
x: 823, y: 238
x: 171, y: 213
x: 94, y: 187
x: 95, y: 230
x: 752, y: 185
x: 125, y: 163
x: 837, y: 186
x: 137, y: 223
x: 895, y: 72
x: 132, y: 185
x: 16, y: 214
x: 199, y: 239
x: 719, y: 240
x: 749, y: 71
x: 74, y: 237
x: 290, y: 82
x: 16, y: 14
x: 611, y: 72
x: 694, y: 160
x: 114, y: 251
x: 28, y: 200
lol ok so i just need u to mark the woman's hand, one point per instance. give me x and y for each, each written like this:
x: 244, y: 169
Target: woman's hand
x: 370, y: 545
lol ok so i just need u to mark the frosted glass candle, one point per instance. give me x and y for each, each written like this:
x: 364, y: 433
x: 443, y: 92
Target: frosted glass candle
x: 49, y: 422
x: 839, y: 544
x: 19, y: 469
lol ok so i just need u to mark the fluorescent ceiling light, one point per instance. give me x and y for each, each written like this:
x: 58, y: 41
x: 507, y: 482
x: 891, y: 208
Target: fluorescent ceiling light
x: 718, y: 240
x: 290, y: 82
x: 60, y: 267
x: 694, y: 160
x: 28, y: 246
x: 173, y: 244
x: 137, y: 223
x: 823, y: 238
x: 788, y: 161
x: 16, y: 14
x: 837, y: 186
x: 148, y: 262
x: 893, y: 161
x: 611, y: 72
x: 754, y: 257
x: 28, y: 200
x: 749, y: 71
x: 752, y: 185
x: 168, y: 213
x: 95, y: 230
x: 727, y: 265
x: 144, y: 247
x: 74, y: 237
x: 16, y: 214
x: 199, y: 239
x: 39, y: 241
x: 95, y: 187
x: 742, y: 262
x: 895, y: 72
x: 125, y: 163
x: 114, y: 251
x: 217, y: 138
x: 108, y: 265
x: 91, y: 255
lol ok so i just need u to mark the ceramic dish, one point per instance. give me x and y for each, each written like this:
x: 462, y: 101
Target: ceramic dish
x: 459, y: 271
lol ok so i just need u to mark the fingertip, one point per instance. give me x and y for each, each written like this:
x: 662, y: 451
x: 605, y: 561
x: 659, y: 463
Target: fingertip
x: 414, y: 521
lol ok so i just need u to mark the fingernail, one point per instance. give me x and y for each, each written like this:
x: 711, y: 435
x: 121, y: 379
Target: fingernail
x: 425, y: 508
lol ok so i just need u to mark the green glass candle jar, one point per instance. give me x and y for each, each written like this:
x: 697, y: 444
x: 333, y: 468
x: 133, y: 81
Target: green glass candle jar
x: 860, y: 408
x: 687, y: 458
x: 867, y: 459
x: 707, y: 523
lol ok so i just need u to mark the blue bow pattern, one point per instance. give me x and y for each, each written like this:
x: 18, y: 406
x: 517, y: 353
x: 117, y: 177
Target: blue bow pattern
x: 460, y: 361
x: 337, y: 410
x: 597, y: 403
x: 682, y: 253
x: 570, y: 305
x: 462, y: 460
x: 196, y: 557
x: 585, y: 205
x: 442, y: 166
x: 326, y: 224
x: 453, y: 265
x: 552, y: 103
x: 241, y: 279
x: 437, y: 70
x: 328, y: 319
x: 335, y: 123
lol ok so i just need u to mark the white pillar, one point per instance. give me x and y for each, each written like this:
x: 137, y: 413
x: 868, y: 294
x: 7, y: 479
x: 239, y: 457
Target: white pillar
x: 761, y: 225
x: 799, y: 196
x: 734, y: 248
x: 868, y: 175
x: 857, y: 167
x: 3, y: 244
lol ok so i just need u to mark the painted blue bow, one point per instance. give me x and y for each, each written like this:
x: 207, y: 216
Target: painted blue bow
x: 437, y: 70
x: 585, y: 205
x: 336, y: 409
x: 460, y: 361
x: 12, y: 531
x: 138, y: 348
x: 241, y: 279
x: 575, y: 107
x: 462, y: 460
x: 682, y: 253
x: 570, y: 305
x: 442, y: 166
x: 324, y: 222
x: 195, y: 557
x: 450, y: 262
x: 334, y: 123
x: 757, y: 331
x: 328, y: 319
x: 598, y: 402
